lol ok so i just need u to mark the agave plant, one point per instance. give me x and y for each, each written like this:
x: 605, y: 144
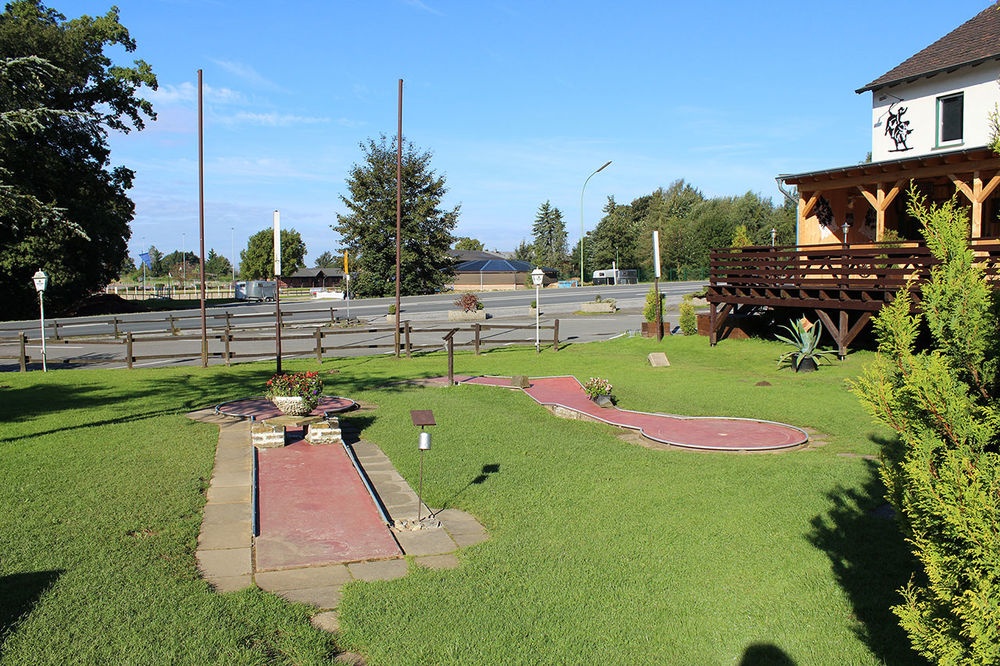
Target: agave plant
x: 804, y: 336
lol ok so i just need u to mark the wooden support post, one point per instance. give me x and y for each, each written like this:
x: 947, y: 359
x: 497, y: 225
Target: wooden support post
x: 713, y: 338
x: 450, y: 343
x: 55, y: 329
x: 173, y: 328
x: 128, y: 350
x: 319, y: 345
x: 476, y: 328
x: 115, y: 323
x: 406, y: 330
x: 228, y: 338
x: 22, y: 355
x: 555, y: 335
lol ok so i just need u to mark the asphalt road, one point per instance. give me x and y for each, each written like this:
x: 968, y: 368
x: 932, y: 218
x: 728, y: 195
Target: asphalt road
x: 179, y: 332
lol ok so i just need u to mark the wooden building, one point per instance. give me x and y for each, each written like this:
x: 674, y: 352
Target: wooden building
x: 931, y: 126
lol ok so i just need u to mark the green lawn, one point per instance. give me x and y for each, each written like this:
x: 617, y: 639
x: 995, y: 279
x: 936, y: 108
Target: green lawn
x: 602, y: 551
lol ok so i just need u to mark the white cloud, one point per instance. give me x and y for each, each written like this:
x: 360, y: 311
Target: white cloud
x: 248, y: 74
x: 270, y: 119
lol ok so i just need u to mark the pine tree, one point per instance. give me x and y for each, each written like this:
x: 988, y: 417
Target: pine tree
x: 942, y: 474
x: 549, y: 232
x: 368, y: 230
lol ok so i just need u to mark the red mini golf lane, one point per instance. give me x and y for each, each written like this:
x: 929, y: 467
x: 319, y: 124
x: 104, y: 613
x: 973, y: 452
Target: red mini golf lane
x: 709, y: 433
x: 314, y: 510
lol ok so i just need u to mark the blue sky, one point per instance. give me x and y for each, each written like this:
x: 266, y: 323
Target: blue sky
x: 519, y: 101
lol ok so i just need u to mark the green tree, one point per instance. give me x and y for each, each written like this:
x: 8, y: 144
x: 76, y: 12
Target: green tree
x: 549, y: 233
x: 257, y: 261
x: 525, y: 252
x: 942, y: 472
x: 368, y: 229
x: 217, y: 266
x: 615, y: 239
x: 740, y: 237
x: 63, y: 206
x: 467, y: 244
x: 328, y: 260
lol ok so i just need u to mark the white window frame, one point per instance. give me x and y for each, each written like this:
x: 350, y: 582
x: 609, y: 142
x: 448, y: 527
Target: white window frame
x: 941, y: 103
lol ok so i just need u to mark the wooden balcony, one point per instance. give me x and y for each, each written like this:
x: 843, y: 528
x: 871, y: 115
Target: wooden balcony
x: 843, y: 285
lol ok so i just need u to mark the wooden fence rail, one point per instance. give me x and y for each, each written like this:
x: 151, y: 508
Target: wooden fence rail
x: 322, y: 341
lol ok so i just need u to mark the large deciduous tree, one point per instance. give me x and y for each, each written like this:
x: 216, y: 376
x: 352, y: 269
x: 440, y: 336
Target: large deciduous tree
x: 63, y: 206
x: 368, y: 229
x: 942, y: 473
x: 257, y: 261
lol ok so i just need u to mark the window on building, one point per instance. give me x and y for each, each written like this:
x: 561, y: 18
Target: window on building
x: 950, y: 112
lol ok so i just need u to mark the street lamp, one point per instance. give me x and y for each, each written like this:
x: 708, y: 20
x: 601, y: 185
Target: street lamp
x: 603, y: 167
x: 537, y: 276
x: 41, y: 281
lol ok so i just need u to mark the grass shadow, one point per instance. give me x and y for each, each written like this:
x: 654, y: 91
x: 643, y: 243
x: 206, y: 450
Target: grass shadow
x: 765, y: 654
x: 18, y: 595
x: 871, y: 562
x: 483, y: 476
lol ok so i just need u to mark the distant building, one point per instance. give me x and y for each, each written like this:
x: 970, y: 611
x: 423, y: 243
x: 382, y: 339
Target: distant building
x: 496, y: 273
x: 322, y: 278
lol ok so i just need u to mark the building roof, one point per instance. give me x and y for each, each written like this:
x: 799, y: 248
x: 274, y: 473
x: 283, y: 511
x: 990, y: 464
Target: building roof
x: 974, y: 42
x: 473, y: 255
x: 957, y: 161
x: 494, y: 266
x: 316, y: 272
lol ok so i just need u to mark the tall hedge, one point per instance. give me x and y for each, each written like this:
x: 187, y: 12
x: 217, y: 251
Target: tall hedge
x: 942, y: 474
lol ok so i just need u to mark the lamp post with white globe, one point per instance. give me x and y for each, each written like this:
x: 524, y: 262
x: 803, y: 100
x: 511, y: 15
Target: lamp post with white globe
x: 537, y: 276
x: 41, y: 281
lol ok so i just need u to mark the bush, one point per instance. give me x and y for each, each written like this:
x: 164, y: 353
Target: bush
x: 689, y: 320
x: 942, y: 473
x: 649, y: 310
x: 469, y: 302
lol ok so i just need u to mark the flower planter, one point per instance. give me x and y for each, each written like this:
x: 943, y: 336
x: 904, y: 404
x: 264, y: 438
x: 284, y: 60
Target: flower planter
x: 465, y: 315
x: 604, y: 401
x: 649, y: 329
x: 292, y: 405
x: 807, y: 365
x: 598, y: 306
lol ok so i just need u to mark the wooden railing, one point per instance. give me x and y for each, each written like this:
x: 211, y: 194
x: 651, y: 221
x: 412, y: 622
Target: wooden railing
x: 823, y: 276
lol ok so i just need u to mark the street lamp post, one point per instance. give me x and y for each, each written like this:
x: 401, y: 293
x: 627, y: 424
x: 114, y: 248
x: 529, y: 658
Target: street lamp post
x: 41, y: 281
x: 584, y: 189
x: 537, y: 276
x: 232, y: 249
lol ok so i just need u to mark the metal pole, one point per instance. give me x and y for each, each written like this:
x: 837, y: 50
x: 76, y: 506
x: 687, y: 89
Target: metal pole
x: 232, y: 249
x: 201, y: 221
x: 604, y: 166
x: 277, y: 291
x: 399, y: 204
x: 41, y: 310
x: 420, y: 491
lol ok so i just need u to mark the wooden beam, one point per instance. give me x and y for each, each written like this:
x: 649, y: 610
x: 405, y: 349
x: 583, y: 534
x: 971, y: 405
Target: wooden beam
x: 806, y: 207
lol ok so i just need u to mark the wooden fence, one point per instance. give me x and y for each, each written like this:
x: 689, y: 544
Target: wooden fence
x: 222, y: 342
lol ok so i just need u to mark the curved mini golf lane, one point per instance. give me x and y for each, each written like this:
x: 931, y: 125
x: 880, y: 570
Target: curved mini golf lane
x: 708, y: 433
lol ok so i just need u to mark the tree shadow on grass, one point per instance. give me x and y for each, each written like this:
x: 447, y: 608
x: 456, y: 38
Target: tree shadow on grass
x: 18, y: 595
x: 871, y: 561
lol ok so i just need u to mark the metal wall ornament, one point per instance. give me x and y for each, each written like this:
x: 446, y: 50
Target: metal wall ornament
x: 898, y: 129
x: 824, y: 213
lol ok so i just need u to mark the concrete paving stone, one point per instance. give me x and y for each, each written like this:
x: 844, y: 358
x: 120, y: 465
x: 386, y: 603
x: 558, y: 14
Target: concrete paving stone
x: 229, y: 494
x: 225, y: 562
x: 223, y: 514
x: 431, y: 541
x: 227, y: 535
x: 295, y: 579
x: 325, y: 597
x: 465, y: 539
x: 236, y: 477
x: 444, y: 561
x: 380, y: 570
x: 326, y: 621
x: 232, y: 583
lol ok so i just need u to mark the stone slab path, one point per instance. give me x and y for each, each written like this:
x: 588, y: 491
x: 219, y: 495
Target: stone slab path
x: 227, y: 551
